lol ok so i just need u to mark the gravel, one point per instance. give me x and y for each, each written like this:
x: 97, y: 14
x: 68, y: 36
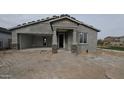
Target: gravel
x: 40, y: 64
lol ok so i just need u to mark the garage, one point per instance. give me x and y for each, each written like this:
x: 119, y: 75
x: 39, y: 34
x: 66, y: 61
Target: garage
x: 34, y: 41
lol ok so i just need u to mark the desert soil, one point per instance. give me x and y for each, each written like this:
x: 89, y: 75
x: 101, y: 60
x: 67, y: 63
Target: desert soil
x: 42, y: 64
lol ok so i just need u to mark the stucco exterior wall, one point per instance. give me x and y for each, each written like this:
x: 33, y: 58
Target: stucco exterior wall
x: 42, y: 28
x: 4, y: 37
x: 64, y: 23
x: 92, y: 39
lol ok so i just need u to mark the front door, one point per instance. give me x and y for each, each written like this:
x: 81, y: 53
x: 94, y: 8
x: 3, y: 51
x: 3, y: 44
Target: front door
x: 61, y: 40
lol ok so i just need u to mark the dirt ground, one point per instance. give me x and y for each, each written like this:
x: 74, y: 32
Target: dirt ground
x: 42, y: 64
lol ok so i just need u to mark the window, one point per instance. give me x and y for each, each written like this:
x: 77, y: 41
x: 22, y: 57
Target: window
x: 83, y: 37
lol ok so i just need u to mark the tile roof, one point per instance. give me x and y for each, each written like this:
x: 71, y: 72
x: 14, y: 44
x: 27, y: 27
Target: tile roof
x: 50, y: 19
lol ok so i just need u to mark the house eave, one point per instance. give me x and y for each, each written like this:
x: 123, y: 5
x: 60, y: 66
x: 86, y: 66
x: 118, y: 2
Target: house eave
x: 4, y: 30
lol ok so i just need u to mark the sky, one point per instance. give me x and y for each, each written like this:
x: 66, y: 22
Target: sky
x: 109, y: 24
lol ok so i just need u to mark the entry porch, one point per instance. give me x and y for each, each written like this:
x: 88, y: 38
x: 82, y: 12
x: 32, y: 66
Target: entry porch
x: 64, y: 39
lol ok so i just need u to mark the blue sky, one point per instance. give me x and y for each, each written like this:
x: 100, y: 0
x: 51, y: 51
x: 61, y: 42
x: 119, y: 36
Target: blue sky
x: 109, y: 24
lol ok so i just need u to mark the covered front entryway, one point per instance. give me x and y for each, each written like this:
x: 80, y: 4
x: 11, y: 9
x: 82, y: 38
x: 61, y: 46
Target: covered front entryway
x: 61, y: 40
x: 64, y: 38
x: 34, y: 41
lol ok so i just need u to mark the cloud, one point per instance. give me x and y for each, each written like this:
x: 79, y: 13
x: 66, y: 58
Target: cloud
x: 10, y: 20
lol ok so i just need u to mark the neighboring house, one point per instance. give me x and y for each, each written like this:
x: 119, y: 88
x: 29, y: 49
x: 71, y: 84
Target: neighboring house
x: 57, y: 32
x: 122, y: 39
x: 114, y: 41
x: 116, y: 44
x: 5, y: 38
x: 111, y: 39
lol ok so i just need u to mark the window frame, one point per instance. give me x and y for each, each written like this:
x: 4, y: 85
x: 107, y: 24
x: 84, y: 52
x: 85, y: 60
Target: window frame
x: 83, y: 38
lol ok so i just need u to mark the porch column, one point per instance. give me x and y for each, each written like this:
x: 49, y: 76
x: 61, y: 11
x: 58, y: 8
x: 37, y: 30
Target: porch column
x: 54, y: 42
x: 14, y: 44
x: 74, y: 48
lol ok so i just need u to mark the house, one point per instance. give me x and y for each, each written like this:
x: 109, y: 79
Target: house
x: 114, y: 41
x: 5, y: 38
x: 122, y: 39
x: 111, y: 39
x: 57, y: 32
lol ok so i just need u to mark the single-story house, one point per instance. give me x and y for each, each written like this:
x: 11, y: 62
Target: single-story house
x: 57, y: 32
x: 5, y: 38
x: 114, y: 41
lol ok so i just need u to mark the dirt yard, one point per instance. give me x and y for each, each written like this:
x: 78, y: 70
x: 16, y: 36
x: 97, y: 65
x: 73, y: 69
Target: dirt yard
x: 42, y: 64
